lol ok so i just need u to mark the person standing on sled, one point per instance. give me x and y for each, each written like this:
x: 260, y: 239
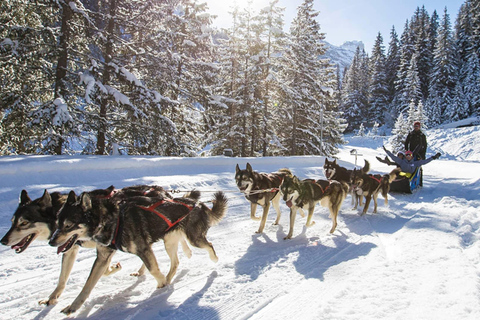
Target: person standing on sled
x: 416, y: 142
x: 408, y: 164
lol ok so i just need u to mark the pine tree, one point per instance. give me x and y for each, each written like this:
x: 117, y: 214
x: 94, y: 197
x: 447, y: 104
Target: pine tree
x: 378, y: 91
x: 421, y: 115
x: 311, y: 122
x: 353, y: 100
x: 399, y: 133
x: 424, y: 54
x: 413, y: 87
x: 407, y: 49
x: 32, y: 64
x: 392, y: 64
x: 270, y: 21
x: 442, y: 84
x: 361, y: 131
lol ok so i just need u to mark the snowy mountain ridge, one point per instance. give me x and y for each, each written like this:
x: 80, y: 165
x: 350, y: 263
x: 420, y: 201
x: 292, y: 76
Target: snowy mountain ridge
x: 342, y: 55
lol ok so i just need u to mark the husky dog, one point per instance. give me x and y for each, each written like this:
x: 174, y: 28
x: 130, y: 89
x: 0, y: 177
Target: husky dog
x: 36, y: 220
x: 133, y: 226
x: 334, y: 171
x: 253, y: 184
x: 370, y: 185
x: 305, y: 194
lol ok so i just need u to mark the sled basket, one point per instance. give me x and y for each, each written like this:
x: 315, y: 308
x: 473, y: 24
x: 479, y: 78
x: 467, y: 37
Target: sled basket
x: 407, y: 185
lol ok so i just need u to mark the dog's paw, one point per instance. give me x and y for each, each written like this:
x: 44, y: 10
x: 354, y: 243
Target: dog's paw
x: 256, y: 218
x: 308, y: 225
x: 287, y: 237
x: 68, y: 310
x: 48, y: 302
x: 161, y: 283
x: 115, y: 267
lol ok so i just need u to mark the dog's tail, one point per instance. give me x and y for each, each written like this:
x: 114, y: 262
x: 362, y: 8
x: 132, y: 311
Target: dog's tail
x: 366, y: 167
x: 194, y: 195
x: 219, y: 209
x: 286, y: 172
x: 393, y: 174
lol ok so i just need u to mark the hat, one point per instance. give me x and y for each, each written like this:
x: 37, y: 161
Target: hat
x: 400, y: 153
x: 408, y: 152
x: 417, y: 123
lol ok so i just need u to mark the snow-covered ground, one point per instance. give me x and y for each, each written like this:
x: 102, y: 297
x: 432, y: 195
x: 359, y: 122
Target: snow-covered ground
x: 418, y: 258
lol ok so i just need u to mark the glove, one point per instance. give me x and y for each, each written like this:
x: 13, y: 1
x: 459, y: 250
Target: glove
x: 436, y: 156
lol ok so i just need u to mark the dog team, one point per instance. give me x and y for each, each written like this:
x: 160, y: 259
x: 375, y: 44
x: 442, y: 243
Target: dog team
x: 133, y: 218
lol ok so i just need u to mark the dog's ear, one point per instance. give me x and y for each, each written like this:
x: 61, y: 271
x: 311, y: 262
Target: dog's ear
x: 326, y: 160
x: 85, y: 202
x: 72, y: 198
x: 24, y: 198
x: 249, y: 167
x: 334, y: 161
x: 237, y: 168
x: 296, y: 180
x: 45, y: 200
x: 110, y: 189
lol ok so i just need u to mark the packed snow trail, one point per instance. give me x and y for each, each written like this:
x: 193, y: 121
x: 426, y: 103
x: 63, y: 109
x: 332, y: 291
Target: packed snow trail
x: 418, y: 258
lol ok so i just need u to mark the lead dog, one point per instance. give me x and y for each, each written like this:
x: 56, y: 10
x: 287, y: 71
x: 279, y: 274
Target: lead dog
x: 36, y: 220
x: 305, y: 194
x: 133, y: 226
x: 261, y: 189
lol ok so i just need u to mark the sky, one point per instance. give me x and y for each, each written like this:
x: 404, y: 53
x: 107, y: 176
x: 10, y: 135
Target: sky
x: 346, y: 20
x: 417, y: 258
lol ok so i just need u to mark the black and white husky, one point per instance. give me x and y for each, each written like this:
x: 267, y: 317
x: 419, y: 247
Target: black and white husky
x: 37, y: 220
x: 371, y: 185
x: 261, y: 189
x: 305, y: 194
x: 133, y: 225
x: 333, y: 171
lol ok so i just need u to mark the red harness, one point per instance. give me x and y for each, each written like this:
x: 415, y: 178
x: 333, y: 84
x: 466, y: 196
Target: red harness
x: 168, y: 221
x: 116, y: 241
x: 378, y: 180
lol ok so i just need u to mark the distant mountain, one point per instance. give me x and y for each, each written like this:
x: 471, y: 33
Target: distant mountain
x: 342, y: 55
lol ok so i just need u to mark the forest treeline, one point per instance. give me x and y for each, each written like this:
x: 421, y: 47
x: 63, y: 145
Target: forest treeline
x: 156, y: 78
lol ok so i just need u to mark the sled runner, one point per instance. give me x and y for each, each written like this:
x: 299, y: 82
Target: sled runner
x: 406, y: 183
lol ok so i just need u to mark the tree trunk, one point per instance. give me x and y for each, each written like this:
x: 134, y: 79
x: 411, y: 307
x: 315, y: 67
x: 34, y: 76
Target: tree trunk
x: 101, y: 140
x: 61, y: 72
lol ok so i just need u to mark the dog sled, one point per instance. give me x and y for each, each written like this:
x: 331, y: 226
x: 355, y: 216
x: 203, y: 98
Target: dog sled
x: 406, y: 183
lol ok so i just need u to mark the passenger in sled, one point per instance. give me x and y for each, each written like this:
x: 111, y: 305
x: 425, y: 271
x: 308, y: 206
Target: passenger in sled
x: 411, y: 172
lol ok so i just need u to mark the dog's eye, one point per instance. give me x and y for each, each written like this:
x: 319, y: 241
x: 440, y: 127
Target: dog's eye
x: 68, y: 226
x: 23, y: 223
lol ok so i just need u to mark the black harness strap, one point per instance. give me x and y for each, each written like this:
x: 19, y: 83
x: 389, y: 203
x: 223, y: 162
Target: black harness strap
x: 117, y: 238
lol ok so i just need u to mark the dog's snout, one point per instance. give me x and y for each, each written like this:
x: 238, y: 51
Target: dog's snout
x: 4, y: 240
x: 53, y: 239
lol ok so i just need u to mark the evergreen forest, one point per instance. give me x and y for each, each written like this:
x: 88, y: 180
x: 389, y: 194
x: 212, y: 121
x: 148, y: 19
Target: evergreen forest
x: 157, y: 78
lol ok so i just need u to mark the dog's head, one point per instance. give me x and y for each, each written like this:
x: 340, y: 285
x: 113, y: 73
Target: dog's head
x: 290, y: 190
x: 356, y: 178
x: 32, y: 220
x: 72, y: 222
x: 329, y: 168
x: 244, y: 178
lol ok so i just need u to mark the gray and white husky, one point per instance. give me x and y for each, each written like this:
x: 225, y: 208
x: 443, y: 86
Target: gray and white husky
x: 37, y: 220
x: 261, y: 189
x: 305, y: 194
x: 133, y: 226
